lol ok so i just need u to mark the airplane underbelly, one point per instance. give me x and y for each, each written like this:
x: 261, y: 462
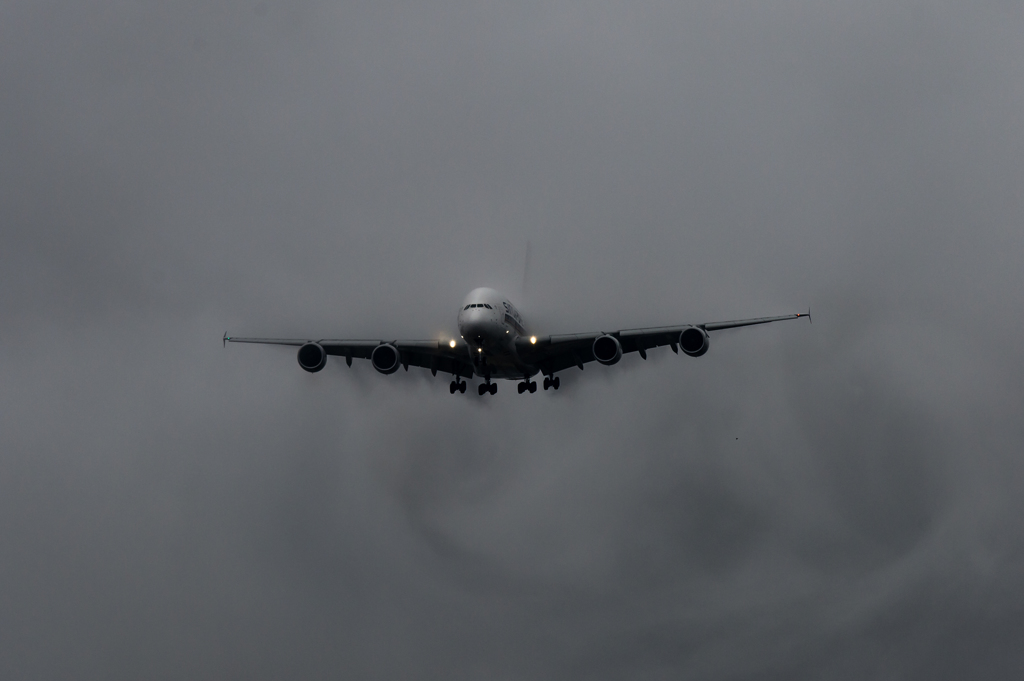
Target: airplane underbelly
x: 504, y: 364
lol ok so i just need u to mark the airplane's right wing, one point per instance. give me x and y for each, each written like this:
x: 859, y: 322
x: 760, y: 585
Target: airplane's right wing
x: 390, y: 355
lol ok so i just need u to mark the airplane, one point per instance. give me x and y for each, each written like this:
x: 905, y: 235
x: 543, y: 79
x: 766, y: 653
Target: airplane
x: 493, y: 343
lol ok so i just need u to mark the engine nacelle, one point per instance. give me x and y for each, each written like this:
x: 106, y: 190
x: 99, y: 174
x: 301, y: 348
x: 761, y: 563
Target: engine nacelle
x: 312, y: 357
x: 607, y: 350
x: 385, y: 358
x: 694, y: 341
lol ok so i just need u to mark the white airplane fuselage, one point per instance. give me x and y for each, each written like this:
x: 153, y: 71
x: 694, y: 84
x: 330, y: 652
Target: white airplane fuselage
x: 490, y: 325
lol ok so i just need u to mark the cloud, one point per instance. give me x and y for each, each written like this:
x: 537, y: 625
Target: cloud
x: 802, y: 502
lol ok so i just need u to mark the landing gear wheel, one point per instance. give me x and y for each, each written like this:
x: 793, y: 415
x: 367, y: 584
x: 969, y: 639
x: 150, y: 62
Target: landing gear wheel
x: 494, y: 389
x: 452, y: 387
x: 555, y: 382
x: 482, y: 388
x: 462, y: 386
x: 521, y: 388
x: 547, y: 382
x: 533, y: 386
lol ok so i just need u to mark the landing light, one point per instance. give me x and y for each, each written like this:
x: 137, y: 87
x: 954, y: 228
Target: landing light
x: 479, y: 349
x: 451, y: 343
x: 533, y: 339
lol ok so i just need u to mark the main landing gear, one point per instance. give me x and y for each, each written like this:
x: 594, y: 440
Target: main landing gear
x: 491, y: 388
x: 549, y: 383
x: 527, y: 385
x: 457, y: 385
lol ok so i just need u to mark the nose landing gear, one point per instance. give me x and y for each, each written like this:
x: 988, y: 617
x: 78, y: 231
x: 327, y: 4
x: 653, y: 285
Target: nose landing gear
x: 527, y: 385
x: 491, y: 388
x: 457, y: 385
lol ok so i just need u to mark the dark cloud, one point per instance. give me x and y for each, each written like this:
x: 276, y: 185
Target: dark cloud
x: 830, y: 501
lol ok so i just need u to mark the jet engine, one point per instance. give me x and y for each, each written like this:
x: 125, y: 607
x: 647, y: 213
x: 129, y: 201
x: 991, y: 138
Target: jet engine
x: 607, y: 350
x: 385, y: 358
x: 694, y: 341
x: 312, y: 357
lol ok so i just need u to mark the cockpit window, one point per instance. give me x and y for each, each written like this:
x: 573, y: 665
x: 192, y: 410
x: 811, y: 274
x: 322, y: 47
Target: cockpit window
x: 488, y: 306
x: 467, y: 307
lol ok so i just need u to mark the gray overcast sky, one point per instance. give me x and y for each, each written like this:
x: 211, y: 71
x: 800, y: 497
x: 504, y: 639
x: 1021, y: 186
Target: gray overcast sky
x: 839, y: 500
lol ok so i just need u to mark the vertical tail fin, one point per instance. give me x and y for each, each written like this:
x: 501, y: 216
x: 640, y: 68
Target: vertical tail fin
x: 526, y: 271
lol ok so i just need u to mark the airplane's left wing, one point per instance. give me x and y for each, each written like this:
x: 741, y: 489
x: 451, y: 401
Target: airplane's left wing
x: 430, y: 354
x: 558, y: 352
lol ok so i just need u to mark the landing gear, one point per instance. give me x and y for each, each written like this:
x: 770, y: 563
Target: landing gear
x: 462, y: 386
x: 457, y: 385
x: 527, y: 385
x: 491, y: 388
x: 494, y: 389
x: 550, y: 383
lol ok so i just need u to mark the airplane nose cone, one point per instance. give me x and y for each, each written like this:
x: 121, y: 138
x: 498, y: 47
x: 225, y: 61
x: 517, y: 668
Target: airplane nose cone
x: 474, y: 330
x: 476, y: 327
